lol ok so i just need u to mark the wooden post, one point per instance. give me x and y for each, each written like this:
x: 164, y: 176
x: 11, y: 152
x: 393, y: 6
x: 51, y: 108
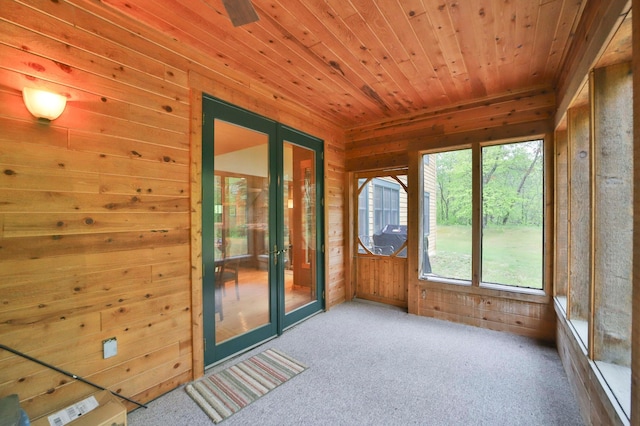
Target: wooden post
x: 476, y: 218
x: 348, y: 232
x: 561, y: 264
x: 415, y: 188
x: 549, y: 223
x: 197, y: 312
x: 635, y: 352
x: 579, y: 213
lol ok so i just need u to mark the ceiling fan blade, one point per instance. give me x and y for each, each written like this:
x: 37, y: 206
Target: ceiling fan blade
x: 240, y: 12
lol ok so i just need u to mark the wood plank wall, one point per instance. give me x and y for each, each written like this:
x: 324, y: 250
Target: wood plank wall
x: 96, y: 208
x: 393, y: 144
x: 386, y: 144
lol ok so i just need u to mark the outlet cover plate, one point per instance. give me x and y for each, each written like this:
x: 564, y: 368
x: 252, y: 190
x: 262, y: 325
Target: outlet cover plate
x: 110, y: 347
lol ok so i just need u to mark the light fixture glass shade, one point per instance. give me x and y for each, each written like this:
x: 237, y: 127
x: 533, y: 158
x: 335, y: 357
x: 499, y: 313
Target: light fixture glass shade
x: 43, y: 104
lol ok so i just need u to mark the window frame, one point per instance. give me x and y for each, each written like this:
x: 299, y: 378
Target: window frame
x: 476, y: 285
x: 426, y: 219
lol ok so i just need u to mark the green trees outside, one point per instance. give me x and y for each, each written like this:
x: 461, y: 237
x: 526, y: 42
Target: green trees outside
x: 512, y: 194
x: 453, y: 177
x: 511, y: 182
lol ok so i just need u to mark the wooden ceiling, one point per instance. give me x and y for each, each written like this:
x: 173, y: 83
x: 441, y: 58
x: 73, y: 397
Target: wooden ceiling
x: 362, y: 61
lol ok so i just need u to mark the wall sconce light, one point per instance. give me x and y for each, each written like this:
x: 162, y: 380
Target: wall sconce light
x: 43, y: 105
x: 290, y: 203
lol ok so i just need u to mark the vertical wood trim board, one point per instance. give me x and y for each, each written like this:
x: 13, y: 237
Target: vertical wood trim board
x: 579, y: 211
x: 561, y: 209
x: 635, y: 326
x: 197, y: 309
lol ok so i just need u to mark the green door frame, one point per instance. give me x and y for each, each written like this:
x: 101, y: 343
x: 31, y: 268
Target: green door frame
x: 215, y: 109
x: 288, y: 134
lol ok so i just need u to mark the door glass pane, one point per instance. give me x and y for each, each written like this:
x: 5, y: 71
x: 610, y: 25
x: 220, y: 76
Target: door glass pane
x: 241, y: 212
x: 512, y: 214
x: 300, y: 224
x: 446, y: 247
x: 382, y: 215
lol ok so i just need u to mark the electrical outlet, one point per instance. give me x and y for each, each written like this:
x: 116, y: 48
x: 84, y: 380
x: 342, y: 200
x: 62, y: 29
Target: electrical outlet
x: 109, y: 347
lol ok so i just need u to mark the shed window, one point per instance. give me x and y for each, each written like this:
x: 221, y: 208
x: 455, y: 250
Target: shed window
x: 382, y: 215
x: 386, y: 202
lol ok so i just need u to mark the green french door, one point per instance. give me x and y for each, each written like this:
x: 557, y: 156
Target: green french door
x: 262, y: 228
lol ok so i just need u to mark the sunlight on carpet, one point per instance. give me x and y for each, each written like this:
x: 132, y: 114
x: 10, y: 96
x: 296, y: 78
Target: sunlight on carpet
x: 228, y: 391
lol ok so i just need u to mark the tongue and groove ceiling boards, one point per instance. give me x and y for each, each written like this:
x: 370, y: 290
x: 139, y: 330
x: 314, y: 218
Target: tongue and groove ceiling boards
x: 356, y: 62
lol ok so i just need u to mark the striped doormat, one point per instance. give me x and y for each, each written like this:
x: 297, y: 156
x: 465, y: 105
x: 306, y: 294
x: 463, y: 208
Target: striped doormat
x: 226, y: 392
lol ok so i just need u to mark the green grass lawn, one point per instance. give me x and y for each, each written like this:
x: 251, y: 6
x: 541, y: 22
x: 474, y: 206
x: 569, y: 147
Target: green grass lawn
x: 511, y: 255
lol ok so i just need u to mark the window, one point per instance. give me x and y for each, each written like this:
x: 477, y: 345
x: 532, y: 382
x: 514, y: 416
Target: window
x: 448, y: 249
x: 512, y: 189
x: 509, y: 222
x: 386, y: 203
x: 231, y: 215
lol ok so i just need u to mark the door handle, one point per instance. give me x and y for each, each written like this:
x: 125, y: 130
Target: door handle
x: 275, y: 254
x: 275, y: 250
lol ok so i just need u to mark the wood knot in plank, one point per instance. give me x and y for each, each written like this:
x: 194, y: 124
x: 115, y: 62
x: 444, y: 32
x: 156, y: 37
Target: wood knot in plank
x: 336, y: 66
x: 367, y: 90
x: 36, y: 67
x: 64, y: 67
